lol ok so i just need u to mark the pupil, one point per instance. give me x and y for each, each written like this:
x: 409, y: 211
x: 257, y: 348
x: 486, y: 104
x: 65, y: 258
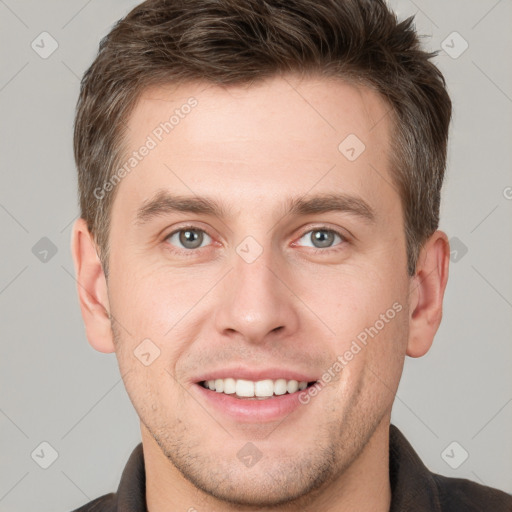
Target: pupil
x: 324, y: 238
x: 191, y: 239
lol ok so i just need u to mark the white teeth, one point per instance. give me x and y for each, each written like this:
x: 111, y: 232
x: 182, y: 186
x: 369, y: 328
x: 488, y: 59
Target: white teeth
x: 280, y: 387
x: 219, y: 385
x: 229, y: 386
x: 292, y: 386
x: 244, y: 387
x: 259, y: 389
x: 264, y: 388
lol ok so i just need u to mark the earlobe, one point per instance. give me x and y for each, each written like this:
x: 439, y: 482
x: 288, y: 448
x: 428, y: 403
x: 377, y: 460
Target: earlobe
x: 427, y: 293
x: 92, y: 289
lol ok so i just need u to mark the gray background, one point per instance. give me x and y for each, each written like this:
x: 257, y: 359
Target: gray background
x: 56, y: 388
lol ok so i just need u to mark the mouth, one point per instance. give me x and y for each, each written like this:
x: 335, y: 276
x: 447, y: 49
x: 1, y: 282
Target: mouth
x: 255, y: 395
x: 244, y: 389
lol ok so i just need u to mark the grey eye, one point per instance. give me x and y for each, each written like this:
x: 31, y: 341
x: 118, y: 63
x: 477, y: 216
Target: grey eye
x: 321, y: 238
x: 188, y: 238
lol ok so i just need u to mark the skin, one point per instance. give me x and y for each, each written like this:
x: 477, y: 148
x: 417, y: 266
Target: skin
x: 252, y: 148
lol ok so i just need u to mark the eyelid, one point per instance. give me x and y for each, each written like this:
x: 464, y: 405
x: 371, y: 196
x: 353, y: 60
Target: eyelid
x: 192, y: 225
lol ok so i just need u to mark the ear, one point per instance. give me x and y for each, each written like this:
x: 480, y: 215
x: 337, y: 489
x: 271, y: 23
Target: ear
x: 92, y: 288
x: 426, y: 293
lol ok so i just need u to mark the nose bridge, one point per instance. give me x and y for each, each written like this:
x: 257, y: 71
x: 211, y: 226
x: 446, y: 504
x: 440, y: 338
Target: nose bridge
x: 254, y: 301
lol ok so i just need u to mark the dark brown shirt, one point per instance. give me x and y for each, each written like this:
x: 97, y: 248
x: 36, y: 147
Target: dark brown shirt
x: 413, y: 487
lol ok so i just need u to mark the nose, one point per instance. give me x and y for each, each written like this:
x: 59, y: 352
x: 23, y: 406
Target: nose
x: 256, y: 302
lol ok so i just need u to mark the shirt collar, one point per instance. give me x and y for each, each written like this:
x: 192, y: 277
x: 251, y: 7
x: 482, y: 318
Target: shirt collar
x: 131, y: 493
x: 412, y: 484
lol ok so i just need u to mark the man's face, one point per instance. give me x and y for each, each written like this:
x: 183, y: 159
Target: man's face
x: 260, y: 292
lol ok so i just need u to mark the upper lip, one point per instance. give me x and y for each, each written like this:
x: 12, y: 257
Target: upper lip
x: 240, y: 372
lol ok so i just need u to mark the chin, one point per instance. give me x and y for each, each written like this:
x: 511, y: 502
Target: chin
x: 271, y: 485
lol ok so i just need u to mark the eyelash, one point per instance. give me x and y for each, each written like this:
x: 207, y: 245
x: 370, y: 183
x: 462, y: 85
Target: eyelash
x: 191, y: 252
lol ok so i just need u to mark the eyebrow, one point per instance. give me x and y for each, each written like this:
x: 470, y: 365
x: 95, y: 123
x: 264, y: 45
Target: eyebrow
x: 164, y: 203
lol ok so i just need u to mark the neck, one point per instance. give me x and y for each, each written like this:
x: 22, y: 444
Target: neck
x: 363, y: 486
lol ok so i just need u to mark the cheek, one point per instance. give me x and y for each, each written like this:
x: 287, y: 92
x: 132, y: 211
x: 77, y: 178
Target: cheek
x: 150, y: 301
x: 367, y: 312
x: 156, y: 319
x: 382, y: 342
x: 352, y: 299
x: 150, y: 389
x: 372, y: 363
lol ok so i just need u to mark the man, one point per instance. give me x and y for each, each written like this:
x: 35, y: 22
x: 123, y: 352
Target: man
x: 259, y: 190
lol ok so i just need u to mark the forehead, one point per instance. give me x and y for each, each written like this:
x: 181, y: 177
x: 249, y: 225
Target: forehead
x: 254, y: 143
x: 326, y: 108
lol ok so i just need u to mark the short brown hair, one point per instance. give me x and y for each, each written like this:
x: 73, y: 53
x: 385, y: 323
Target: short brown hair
x: 232, y: 42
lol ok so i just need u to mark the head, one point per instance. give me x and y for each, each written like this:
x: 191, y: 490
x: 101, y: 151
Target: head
x: 215, y: 142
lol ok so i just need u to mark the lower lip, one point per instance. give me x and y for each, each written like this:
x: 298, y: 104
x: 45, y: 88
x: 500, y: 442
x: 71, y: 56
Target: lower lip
x: 244, y: 410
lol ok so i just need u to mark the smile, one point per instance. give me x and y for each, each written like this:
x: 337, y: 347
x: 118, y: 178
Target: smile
x: 256, y: 390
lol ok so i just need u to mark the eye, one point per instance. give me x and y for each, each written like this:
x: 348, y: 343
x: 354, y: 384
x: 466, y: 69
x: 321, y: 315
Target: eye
x: 188, y: 237
x: 322, y: 238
